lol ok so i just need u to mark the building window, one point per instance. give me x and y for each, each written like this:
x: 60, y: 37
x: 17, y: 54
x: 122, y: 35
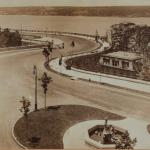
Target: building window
x: 115, y: 62
x: 125, y: 64
x: 106, y: 61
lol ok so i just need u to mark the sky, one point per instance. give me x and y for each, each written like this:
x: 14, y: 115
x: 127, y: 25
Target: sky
x: 12, y: 3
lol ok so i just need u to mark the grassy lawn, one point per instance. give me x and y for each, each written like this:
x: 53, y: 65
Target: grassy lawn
x: 50, y: 125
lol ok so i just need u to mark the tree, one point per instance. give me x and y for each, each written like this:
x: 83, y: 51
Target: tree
x: 45, y: 81
x: 46, y: 53
x: 25, y: 106
x: 9, y: 39
x: 25, y: 110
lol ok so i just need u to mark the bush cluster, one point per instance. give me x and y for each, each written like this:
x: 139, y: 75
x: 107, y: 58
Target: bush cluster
x: 10, y: 39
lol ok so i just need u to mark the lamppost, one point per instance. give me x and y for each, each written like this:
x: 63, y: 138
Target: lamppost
x: 106, y: 120
x: 72, y: 45
x: 100, y: 77
x: 97, y: 37
x: 45, y: 81
x: 60, y: 63
x: 71, y: 53
x: 50, y: 47
x: 60, y: 60
x: 35, y: 74
x: 46, y: 30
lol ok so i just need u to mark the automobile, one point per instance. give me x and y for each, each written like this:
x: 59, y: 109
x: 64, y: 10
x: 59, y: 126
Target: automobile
x: 68, y: 67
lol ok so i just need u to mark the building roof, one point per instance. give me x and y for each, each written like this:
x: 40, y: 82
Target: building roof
x: 123, y: 55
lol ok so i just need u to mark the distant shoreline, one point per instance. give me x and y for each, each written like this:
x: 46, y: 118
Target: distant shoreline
x: 74, y: 16
x: 108, y: 11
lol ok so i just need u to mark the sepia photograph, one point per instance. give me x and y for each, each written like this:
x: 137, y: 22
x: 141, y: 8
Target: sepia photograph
x: 75, y: 74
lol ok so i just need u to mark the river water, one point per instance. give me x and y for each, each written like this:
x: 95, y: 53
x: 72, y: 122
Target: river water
x: 66, y: 23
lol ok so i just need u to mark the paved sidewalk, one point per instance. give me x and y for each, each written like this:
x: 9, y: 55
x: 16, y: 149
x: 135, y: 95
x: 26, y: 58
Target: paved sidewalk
x: 74, y: 73
x: 75, y: 136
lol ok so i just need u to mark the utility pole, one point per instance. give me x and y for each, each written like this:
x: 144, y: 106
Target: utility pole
x: 21, y: 31
x: 35, y: 74
x: 46, y: 30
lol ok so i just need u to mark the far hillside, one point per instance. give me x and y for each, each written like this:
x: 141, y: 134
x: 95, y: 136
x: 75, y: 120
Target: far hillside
x: 120, y: 11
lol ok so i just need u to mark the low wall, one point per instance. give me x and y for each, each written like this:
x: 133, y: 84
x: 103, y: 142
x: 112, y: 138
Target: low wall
x: 56, y: 33
x: 98, y: 145
x: 117, y: 81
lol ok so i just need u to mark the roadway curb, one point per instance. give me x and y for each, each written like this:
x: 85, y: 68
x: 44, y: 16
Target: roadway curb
x: 94, y: 82
x: 15, y: 138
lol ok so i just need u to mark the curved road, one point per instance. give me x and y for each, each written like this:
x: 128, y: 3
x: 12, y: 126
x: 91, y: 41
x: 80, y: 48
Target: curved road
x: 16, y: 80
